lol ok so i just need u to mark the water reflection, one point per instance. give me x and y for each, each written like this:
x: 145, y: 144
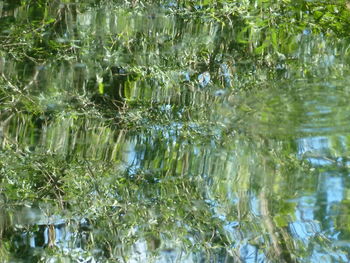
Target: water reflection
x: 223, y: 175
x: 185, y: 163
x: 229, y: 177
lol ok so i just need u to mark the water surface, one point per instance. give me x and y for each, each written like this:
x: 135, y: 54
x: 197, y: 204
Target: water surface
x: 147, y: 135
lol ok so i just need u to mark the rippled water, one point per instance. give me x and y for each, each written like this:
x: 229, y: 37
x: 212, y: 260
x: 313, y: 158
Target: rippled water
x: 219, y: 159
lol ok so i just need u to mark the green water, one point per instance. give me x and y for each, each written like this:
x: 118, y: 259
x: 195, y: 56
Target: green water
x: 189, y: 131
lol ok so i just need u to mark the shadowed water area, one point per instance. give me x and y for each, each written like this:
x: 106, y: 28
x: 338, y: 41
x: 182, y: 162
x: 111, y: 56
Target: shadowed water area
x: 193, y: 131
